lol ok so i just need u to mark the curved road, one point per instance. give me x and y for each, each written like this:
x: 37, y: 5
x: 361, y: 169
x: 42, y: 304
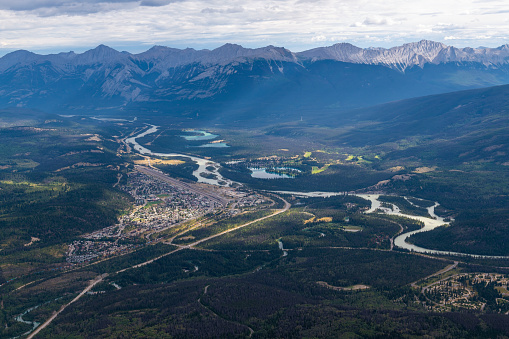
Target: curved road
x: 286, y: 208
x: 101, y: 277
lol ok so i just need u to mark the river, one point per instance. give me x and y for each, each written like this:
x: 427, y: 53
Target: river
x: 214, y: 177
x: 400, y: 241
x: 34, y: 323
x: 429, y: 224
x: 20, y: 319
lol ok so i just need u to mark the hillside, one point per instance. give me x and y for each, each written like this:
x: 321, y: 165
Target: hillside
x: 233, y: 81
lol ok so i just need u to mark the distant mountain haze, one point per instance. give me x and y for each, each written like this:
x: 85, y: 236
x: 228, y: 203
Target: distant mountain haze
x: 409, y: 55
x: 234, y: 82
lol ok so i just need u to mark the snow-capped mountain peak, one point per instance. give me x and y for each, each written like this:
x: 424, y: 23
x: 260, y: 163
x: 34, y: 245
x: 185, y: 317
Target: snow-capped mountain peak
x: 407, y: 55
x: 169, y: 74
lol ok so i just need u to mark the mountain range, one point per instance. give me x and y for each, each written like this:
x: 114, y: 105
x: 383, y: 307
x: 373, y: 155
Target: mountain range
x: 409, y: 55
x: 231, y: 78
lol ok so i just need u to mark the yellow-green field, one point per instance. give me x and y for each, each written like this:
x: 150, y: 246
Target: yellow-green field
x: 316, y: 169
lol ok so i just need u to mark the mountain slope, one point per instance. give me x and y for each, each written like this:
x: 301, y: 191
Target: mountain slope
x: 235, y: 80
x: 443, y: 116
x: 409, y: 55
x: 453, y: 149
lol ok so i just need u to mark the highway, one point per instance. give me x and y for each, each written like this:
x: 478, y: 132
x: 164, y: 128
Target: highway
x: 55, y: 314
x: 286, y: 208
x: 190, y: 246
x: 197, y: 190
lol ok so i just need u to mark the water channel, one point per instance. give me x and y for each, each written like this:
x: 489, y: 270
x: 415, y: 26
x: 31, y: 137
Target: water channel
x: 20, y: 319
x: 400, y: 241
x: 34, y: 323
x: 430, y: 223
x: 207, y: 167
x: 201, y: 135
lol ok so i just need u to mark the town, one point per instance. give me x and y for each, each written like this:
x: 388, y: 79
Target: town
x: 471, y: 291
x: 160, y: 203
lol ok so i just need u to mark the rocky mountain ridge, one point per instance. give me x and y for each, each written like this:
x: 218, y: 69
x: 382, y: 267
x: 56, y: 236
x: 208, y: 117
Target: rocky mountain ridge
x: 400, y: 57
x: 408, y: 55
x: 340, y: 76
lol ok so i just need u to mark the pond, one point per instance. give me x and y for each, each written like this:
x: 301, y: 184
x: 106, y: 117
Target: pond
x: 201, y: 135
x: 265, y: 173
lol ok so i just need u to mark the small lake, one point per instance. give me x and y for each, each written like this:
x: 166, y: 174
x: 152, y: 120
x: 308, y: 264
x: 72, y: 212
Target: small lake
x: 204, y: 165
x: 264, y: 173
x: 201, y: 135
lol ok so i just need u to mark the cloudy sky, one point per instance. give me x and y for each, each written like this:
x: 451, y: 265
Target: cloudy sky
x: 49, y: 26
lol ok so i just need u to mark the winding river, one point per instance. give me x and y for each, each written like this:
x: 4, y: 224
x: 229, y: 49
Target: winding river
x: 211, y: 169
x: 20, y: 319
x: 400, y: 241
x: 34, y: 323
x: 211, y: 176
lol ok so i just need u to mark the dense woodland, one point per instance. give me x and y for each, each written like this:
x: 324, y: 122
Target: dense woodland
x: 338, y: 178
x: 57, y: 182
x: 292, y: 275
x: 281, y: 300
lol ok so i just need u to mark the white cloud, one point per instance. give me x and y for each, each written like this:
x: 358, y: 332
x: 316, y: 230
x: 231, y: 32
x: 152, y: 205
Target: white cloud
x: 377, y: 21
x: 447, y: 27
x: 318, y: 38
x: 229, y: 10
x: 157, y: 3
x: 60, y: 25
x: 73, y: 7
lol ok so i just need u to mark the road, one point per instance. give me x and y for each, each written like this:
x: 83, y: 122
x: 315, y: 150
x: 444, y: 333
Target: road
x: 286, y: 208
x: 101, y: 277
x: 447, y: 269
x: 251, y: 331
x: 88, y: 288
x: 190, y: 246
x: 399, y: 232
x: 188, y: 186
